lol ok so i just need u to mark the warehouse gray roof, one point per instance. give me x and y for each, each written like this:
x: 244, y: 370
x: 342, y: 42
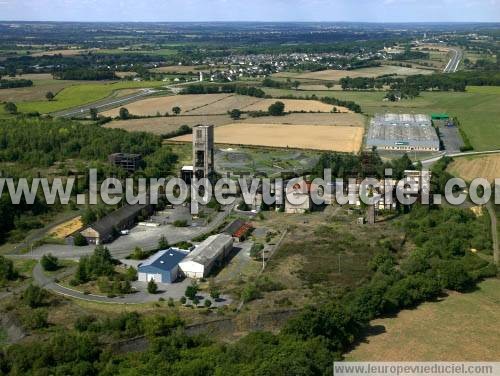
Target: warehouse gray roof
x: 390, y: 129
x: 209, y: 249
x: 106, y: 224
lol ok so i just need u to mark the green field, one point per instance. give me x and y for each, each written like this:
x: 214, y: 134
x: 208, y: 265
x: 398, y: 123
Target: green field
x: 477, y: 109
x: 461, y: 327
x: 78, y: 95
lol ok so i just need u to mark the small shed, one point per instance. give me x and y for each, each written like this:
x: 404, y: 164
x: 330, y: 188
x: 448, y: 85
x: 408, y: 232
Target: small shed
x: 162, y: 267
x: 239, y: 229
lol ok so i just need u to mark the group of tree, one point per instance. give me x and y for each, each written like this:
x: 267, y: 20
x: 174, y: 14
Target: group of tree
x: 10, y: 84
x: 86, y: 74
x: 41, y: 142
x: 227, y: 88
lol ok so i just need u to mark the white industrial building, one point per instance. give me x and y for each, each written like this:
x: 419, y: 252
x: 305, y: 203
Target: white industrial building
x: 206, y: 255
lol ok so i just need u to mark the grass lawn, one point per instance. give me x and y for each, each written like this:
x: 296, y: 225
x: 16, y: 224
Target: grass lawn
x: 461, y: 327
x: 477, y: 109
x: 78, y: 95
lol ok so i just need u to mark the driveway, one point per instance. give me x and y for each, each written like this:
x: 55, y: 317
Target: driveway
x: 143, y: 237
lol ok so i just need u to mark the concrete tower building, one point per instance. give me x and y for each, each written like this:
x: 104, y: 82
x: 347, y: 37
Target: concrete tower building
x: 203, y: 151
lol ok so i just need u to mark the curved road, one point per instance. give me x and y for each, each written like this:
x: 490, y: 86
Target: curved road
x: 166, y: 291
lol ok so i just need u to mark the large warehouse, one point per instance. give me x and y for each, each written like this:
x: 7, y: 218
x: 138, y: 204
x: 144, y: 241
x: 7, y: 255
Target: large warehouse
x: 206, y: 255
x: 406, y: 132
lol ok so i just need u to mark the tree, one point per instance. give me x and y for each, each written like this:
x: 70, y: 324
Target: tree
x: 208, y: 303
x: 10, y: 108
x: 191, y: 291
x: 79, y: 240
x: 93, y: 113
x: 124, y: 114
x: 33, y: 296
x: 49, y: 262
x: 277, y: 109
x: 7, y: 272
x: 295, y: 84
x: 176, y: 110
x: 152, y: 287
x: 329, y: 85
x: 183, y: 300
x: 163, y: 243
x: 235, y: 114
x: 49, y: 95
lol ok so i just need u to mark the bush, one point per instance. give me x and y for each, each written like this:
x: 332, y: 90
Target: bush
x: 34, y: 296
x: 180, y: 223
x: 183, y: 300
x: 36, y: 319
x: 49, y: 263
x: 79, y: 240
x: 7, y: 271
x: 250, y: 292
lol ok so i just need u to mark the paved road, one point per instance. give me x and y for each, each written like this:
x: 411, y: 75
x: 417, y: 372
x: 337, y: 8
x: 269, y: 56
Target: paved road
x: 146, y: 238
x: 454, y: 62
x: 110, y: 102
x: 166, y: 291
x: 104, y: 104
x: 430, y: 161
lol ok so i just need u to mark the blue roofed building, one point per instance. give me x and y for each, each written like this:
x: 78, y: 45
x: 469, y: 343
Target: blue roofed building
x: 162, y: 267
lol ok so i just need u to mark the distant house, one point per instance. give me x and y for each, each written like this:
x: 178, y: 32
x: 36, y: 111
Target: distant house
x: 106, y: 229
x: 162, y: 267
x: 206, y: 255
x: 238, y: 229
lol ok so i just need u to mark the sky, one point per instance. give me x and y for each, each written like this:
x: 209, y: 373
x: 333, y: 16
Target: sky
x: 252, y: 10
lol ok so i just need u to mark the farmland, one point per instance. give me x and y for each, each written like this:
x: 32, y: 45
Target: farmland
x: 80, y: 94
x: 435, y: 331
x: 164, y: 125
x: 335, y: 75
x: 217, y: 104
x: 469, y: 168
x: 310, y: 137
x: 476, y: 108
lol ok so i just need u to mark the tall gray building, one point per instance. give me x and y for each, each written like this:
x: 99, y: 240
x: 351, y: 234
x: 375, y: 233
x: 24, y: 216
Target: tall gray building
x: 203, y: 151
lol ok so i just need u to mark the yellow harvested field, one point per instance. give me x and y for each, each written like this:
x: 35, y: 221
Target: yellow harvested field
x: 311, y: 137
x: 151, y: 106
x: 164, y: 125
x: 330, y: 119
x: 470, y: 168
x: 458, y: 328
x: 67, y: 228
x: 294, y: 105
x: 31, y: 76
x: 335, y: 75
x: 229, y: 103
